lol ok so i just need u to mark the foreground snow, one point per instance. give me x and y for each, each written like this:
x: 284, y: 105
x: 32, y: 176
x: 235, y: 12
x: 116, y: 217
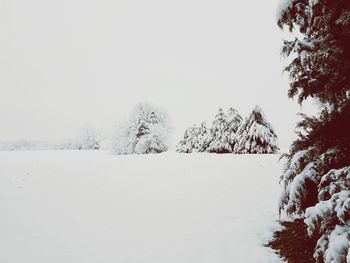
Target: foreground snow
x: 91, y: 207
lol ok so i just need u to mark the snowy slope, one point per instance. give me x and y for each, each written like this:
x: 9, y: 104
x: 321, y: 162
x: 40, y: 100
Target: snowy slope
x: 91, y: 207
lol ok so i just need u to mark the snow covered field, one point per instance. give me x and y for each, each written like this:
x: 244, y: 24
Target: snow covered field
x: 92, y: 207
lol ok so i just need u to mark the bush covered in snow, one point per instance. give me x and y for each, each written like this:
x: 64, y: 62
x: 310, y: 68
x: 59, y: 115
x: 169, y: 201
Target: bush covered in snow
x: 316, y: 179
x: 146, y: 131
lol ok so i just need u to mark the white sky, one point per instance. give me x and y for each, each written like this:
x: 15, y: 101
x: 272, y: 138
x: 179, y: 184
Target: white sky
x: 65, y: 64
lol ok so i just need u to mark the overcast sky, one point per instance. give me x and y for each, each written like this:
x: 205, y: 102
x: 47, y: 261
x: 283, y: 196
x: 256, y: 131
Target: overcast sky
x: 65, y: 64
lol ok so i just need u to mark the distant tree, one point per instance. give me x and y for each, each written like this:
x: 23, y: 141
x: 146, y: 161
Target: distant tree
x: 187, y: 143
x: 219, y: 138
x: 119, y: 143
x: 220, y: 134
x: 146, y: 131
x: 234, y: 121
x: 256, y: 135
x: 87, y: 139
x: 24, y: 145
x: 196, y: 139
x: 202, y: 139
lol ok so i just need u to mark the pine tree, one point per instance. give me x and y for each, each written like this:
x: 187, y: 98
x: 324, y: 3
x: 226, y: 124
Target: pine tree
x: 234, y: 120
x: 187, y: 143
x: 203, y: 138
x: 219, y: 138
x: 316, y: 179
x: 220, y: 135
x: 255, y: 135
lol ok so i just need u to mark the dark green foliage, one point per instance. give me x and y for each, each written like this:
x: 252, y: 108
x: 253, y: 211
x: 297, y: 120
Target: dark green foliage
x: 316, y: 178
x: 322, y: 64
x: 320, y: 69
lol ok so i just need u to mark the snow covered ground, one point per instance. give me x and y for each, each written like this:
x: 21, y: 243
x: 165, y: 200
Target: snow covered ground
x: 92, y: 207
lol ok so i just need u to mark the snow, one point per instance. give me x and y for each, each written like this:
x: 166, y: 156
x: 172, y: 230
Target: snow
x: 334, y: 206
x: 297, y: 190
x: 255, y: 135
x: 283, y: 5
x: 338, y: 245
x: 217, y: 138
x: 92, y: 207
x: 146, y: 131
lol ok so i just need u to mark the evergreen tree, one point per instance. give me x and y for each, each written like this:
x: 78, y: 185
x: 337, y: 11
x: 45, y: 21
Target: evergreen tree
x: 316, y: 179
x: 219, y: 138
x: 202, y: 138
x: 220, y: 135
x: 187, y: 143
x: 256, y: 135
x: 234, y: 120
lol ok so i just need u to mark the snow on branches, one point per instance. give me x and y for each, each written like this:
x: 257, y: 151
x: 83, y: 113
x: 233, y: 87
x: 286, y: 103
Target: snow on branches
x: 220, y: 134
x: 316, y: 181
x: 146, y: 131
x: 230, y: 134
x: 256, y: 135
x: 196, y: 139
x: 330, y: 217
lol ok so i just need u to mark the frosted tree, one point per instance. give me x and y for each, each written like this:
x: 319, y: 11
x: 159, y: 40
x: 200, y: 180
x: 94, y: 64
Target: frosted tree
x: 120, y: 139
x: 220, y: 134
x: 219, y: 138
x: 256, y: 135
x: 234, y: 120
x: 202, y: 139
x: 196, y: 139
x: 87, y: 139
x: 316, y: 178
x: 187, y: 143
x: 146, y: 131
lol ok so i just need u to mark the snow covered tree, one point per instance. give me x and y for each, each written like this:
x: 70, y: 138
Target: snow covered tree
x: 316, y: 179
x: 255, y: 135
x: 220, y: 138
x: 220, y: 134
x: 120, y: 139
x: 186, y: 145
x: 202, y: 139
x: 147, y: 131
x: 234, y: 120
x: 196, y: 139
x: 87, y: 139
